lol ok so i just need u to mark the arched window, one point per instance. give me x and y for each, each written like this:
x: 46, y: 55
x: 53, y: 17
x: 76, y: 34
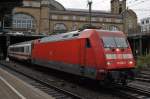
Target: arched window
x: 23, y: 21
x: 113, y: 28
x: 60, y: 28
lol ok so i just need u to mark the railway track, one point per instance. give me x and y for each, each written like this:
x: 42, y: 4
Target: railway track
x: 142, y: 79
x: 132, y: 92
x: 43, y: 85
x: 143, y: 76
x: 79, y: 91
x: 138, y: 89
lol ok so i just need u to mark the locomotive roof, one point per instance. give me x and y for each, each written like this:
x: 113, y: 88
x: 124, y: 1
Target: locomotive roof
x: 109, y: 31
x: 63, y: 36
x: 71, y: 35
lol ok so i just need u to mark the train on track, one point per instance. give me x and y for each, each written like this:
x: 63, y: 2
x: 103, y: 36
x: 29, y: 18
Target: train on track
x: 92, y: 53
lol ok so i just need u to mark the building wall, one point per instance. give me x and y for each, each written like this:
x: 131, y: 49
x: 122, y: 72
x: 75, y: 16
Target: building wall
x: 115, y: 6
x: 46, y: 18
x: 40, y: 15
x: 118, y: 6
x: 35, y: 12
x: 145, y: 24
x: 70, y: 22
x: 130, y: 22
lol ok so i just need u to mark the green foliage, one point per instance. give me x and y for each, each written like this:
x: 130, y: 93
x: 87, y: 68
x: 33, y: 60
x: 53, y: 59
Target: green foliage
x: 143, y: 62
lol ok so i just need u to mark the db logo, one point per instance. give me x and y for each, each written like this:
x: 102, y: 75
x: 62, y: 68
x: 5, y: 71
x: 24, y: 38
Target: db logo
x: 121, y: 62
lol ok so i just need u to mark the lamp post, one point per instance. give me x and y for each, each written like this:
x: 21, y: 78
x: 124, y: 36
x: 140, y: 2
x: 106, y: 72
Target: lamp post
x: 40, y: 16
x: 49, y: 18
x: 90, y: 11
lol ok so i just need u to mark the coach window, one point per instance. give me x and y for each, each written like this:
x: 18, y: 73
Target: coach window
x: 27, y: 49
x: 21, y: 49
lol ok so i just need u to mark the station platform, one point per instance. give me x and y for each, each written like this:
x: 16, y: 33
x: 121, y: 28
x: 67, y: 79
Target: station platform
x: 12, y: 87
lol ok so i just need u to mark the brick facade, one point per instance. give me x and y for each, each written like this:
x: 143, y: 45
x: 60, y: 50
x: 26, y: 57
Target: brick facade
x: 48, y: 18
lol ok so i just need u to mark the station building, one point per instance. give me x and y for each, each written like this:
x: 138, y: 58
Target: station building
x: 145, y: 24
x: 49, y: 16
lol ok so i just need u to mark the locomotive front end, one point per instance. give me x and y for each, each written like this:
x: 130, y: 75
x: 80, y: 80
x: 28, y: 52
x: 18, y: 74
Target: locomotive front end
x: 118, y: 56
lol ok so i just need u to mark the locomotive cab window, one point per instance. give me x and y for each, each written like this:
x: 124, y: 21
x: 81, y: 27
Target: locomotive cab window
x: 121, y: 42
x: 88, y: 44
x: 111, y: 42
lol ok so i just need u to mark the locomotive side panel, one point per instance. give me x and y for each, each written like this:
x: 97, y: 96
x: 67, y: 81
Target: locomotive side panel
x: 98, y: 51
x: 95, y: 53
x: 61, y: 51
x: 95, y: 57
x: 65, y: 55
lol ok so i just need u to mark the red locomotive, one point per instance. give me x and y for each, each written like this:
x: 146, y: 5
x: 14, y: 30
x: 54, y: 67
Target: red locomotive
x: 96, y: 54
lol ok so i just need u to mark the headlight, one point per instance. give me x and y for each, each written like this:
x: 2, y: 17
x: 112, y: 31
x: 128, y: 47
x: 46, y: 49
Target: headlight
x: 108, y: 63
x: 130, y: 62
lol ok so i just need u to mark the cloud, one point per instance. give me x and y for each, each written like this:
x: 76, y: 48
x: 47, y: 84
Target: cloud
x: 81, y: 4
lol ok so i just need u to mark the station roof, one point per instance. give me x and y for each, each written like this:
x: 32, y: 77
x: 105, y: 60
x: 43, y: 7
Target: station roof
x: 85, y: 12
x: 7, y: 6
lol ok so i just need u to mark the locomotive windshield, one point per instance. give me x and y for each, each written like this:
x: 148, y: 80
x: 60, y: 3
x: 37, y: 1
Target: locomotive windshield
x: 117, y: 42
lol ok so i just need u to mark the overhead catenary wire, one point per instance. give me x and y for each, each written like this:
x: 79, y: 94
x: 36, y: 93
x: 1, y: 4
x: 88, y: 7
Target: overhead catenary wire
x: 137, y: 3
x: 142, y: 10
x: 134, y: 5
x: 132, y: 1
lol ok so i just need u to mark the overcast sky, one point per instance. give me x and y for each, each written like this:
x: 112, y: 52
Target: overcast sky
x: 141, y: 7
